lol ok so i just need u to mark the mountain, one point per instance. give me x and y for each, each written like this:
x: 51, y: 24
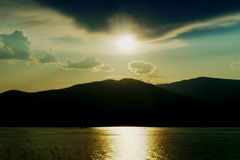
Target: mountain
x: 109, y: 102
x: 214, y: 90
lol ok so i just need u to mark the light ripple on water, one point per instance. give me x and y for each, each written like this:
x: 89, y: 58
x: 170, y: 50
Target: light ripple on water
x: 126, y: 143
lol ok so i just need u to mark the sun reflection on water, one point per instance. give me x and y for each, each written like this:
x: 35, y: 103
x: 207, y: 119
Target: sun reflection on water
x: 128, y: 143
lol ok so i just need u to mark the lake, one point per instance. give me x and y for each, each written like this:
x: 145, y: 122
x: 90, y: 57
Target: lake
x: 119, y: 143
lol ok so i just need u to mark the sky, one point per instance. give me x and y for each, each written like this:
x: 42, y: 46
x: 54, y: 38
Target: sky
x: 50, y: 44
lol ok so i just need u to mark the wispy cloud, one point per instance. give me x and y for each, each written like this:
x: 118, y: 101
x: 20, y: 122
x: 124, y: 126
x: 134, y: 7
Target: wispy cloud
x: 89, y: 63
x: 48, y: 58
x: 235, y: 64
x: 223, y: 21
x: 105, y: 68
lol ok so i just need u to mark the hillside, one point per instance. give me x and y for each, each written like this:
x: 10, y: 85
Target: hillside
x: 219, y: 91
x: 109, y: 102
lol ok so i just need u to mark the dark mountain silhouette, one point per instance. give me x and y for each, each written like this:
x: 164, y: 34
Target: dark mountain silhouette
x: 214, y: 90
x: 110, y: 102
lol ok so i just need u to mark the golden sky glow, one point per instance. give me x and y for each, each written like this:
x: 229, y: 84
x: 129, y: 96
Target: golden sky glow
x: 64, y: 52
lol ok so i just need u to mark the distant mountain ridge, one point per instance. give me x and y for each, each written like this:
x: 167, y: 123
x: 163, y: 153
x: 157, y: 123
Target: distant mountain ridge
x: 122, y: 93
x: 215, y: 90
x: 107, y: 103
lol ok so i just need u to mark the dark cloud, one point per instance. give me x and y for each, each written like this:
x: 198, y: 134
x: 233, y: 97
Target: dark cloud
x: 141, y: 67
x: 20, y: 4
x: 48, y: 58
x: 160, y: 14
x: 14, y: 46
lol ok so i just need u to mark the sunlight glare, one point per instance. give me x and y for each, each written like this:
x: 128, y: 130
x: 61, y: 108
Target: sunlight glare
x: 126, y: 42
x: 128, y: 143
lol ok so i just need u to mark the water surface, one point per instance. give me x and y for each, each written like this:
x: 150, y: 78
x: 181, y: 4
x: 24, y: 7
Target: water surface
x: 119, y: 143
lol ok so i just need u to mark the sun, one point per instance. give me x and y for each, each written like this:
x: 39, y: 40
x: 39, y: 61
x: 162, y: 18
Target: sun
x: 126, y: 42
